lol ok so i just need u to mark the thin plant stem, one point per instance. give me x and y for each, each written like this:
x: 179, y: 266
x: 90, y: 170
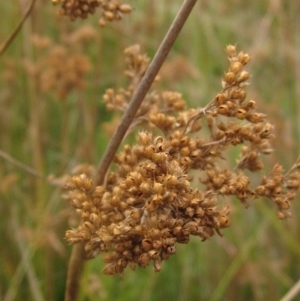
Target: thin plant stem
x: 236, y: 263
x: 75, y: 267
x: 143, y: 88
x: 21, y: 165
x: 292, y: 293
x: 35, y: 287
x: 9, y: 40
x: 78, y: 254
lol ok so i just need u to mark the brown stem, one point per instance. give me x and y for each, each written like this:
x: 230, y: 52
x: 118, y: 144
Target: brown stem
x: 292, y: 293
x: 143, y: 88
x: 5, y: 44
x: 74, y: 271
x: 77, y: 257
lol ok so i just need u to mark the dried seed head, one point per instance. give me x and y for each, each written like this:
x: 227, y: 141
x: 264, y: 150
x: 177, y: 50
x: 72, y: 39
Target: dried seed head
x: 231, y: 50
x: 149, y: 204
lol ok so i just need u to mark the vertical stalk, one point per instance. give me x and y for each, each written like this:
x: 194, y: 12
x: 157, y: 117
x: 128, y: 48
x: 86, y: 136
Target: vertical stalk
x: 36, y: 149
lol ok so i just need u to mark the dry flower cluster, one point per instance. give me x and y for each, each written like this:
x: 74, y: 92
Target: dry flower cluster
x: 111, y: 10
x: 62, y: 68
x: 148, y: 203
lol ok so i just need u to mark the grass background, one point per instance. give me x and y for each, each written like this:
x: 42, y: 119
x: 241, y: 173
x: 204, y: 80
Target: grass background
x: 257, y: 259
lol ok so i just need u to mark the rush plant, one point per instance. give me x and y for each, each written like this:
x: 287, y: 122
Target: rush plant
x: 136, y: 213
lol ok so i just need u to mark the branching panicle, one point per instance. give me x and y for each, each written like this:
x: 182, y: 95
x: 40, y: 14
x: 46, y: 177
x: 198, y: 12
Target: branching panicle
x: 148, y: 204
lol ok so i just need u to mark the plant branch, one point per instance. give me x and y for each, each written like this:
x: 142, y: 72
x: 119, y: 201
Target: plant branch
x: 292, y: 293
x: 21, y: 165
x: 143, y: 88
x: 5, y: 44
x: 74, y: 271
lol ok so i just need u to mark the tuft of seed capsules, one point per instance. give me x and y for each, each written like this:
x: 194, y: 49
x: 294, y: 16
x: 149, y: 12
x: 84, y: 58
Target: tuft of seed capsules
x: 111, y: 10
x: 150, y: 202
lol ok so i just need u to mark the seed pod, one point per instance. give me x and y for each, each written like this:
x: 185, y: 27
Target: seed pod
x: 175, y: 142
x: 122, y: 262
x: 210, y: 121
x: 277, y: 190
x: 154, y: 254
x: 144, y: 138
x: 98, y: 192
x: 171, y: 180
x: 137, y: 249
x: 157, y: 265
x: 243, y: 76
x: 157, y: 200
x: 211, y: 211
x: 184, y: 151
x: 159, y: 157
x: 94, y: 218
x: 241, y: 114
x: 157, y: 188
x: 179, y: 105
x: 255, y: 118
x: 220, y: 99
x: 223, y: 109
x: 171, y: 250
x: 244, y: 58
x: 135, y: 214
x: 260, y: 190
x: 184, y: 141
x: 249, y: 105
x: 157, y: 244
x: 292, y: 184
x: 149, y: 206
x: 109, y: 16
x: 144, y: 259
x: 127, y: 254
x: 223, y: 221
x: 88, y: 184
x: 190, y: 211
x: 77, y: 182
x: 177, y: 230
x: 229, y: 78
x: 145, y: 187
x: 110, y: 269
x: 236, y: 67
x: 89, y: 226
x: 149, y: 151
x: 191, y: 226
x: 199, y: 212
x: 231, y: 50
x: 164, y: 255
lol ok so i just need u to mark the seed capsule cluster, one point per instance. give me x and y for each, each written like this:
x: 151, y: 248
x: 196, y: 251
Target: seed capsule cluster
x: 111, y: 10
x: 62, y: 68
x: 144, y: 211
x: 150, y: 202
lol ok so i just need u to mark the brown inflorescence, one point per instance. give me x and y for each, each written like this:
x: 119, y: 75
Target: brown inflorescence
x: 62, y: 68
x: 111, y: 10
x: 149, y: 202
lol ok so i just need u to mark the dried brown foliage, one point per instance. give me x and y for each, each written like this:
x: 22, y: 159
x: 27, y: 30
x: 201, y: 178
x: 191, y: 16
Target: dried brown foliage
x: 62, y: 67
x: 150, y: 202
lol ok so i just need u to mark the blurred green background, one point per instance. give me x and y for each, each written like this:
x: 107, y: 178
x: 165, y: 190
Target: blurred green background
x: 258, y: 258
